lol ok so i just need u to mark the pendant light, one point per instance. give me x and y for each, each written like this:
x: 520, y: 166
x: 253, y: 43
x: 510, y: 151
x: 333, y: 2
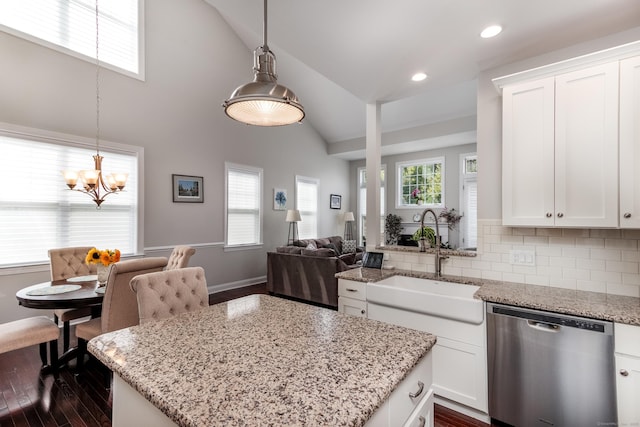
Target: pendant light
x: 93, y: 183
x: 264, y: 102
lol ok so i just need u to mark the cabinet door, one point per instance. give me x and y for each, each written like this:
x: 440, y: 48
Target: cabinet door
x: 527, y: 153
x: 352, y: 307
x: 628, y: 389
x: 630, y: 143
x: 586, y: 147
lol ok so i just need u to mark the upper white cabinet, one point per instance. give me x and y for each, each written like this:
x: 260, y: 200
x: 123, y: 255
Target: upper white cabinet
x: 630, y: 143
x: 560, y: 150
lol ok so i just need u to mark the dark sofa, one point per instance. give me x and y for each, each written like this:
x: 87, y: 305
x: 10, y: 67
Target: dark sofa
x: 308, y: 274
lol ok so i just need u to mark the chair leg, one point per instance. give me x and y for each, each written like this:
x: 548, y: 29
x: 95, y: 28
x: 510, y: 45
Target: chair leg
x: 65, y: 336
x: 43, y: 353
x: 53, y: 353
x: 82, y: 349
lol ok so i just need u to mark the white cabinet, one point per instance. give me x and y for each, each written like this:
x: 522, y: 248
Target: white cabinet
x: 459, y: 356
x: 630, y: 143
x: 560, y: 150
x: 627, y: 356
x: 352, y: 297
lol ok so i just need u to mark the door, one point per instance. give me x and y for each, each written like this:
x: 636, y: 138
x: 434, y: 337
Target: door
x: 628, y: 387
x: 528, y: 154
x: 630, y: 143
x: 586, y: 147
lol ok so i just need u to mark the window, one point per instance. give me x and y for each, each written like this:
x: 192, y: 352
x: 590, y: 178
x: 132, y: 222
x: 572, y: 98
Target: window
x: 420, y: 182
x: 307, y: 204
x: 362, y: 204
x: 244, y: 205
x: 37, y: 210
x: 69, y: 26
x: 469, y: 201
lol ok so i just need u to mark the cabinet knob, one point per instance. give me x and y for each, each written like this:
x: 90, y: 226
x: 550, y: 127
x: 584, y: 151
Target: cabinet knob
x: 560, y: 214
x: 624, y: 372
x: 627, y: 215
x: 362, y: 312
x: 549, y: 214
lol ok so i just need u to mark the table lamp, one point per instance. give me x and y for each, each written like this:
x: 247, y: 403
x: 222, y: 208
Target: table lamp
x: 348, y: 225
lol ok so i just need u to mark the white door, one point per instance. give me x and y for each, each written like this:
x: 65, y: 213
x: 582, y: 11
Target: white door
x: 528, y: 153
x: 630, y: 143
x: 628, y: 389
x: 586, y: 147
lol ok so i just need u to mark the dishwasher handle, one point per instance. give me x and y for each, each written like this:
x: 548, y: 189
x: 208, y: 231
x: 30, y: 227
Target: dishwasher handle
x: 543, y: 326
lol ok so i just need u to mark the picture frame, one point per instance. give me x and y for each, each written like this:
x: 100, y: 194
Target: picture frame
x: 335, y: 201
x: 187, y: 188
x: 279, y: 199
x: 372, y: 260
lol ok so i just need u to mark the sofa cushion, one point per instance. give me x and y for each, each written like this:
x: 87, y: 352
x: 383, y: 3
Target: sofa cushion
x: 348, y: 258
x: 323, y: 252
x: 333, y: 247
x: 289, y: 250
x: 312, y: 246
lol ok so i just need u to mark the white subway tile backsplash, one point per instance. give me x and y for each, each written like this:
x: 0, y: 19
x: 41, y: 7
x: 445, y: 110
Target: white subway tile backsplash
x: 590, y: 242
x: 537, y: 280
x: 499, y: 229
x: 513, y: 277
x: 562, y: 241
x: 549, y: 250
x: 631, y: 234
x: 605, y: 233
x: 630, y: 279
x: 575, y: 274
x: 526, y: 270
x: 564, y: 283
x: 606, y: 276
x: 514, y: 240
x: 606, y: 254
x: 622, y: 267
x: 491, y: 275
x: 575, y: 232
x: 576, y: 252
x: 472, y: 272
x: 562, y: 261
x: 537, y: 240
x: 542, y: 260
x: 591, y: 264
x: 619, y: 289
x: 524, y: 231
x: 631, y: 244
x: 549, y: 232
x: 499, y: 266
x: 591, y: 286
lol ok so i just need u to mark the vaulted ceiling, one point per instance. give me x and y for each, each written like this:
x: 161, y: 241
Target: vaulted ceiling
x: 339, y: 55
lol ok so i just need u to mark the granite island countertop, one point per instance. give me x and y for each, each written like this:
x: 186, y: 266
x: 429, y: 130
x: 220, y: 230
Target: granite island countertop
x: 595, y: 305
x: 263, y: 360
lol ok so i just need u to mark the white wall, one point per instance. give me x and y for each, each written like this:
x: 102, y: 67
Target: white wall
x: 193, y: 62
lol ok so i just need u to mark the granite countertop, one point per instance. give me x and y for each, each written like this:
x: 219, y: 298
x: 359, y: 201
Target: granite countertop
x: 416, y: 249
x: 595, y: 305
x: 262, y: 360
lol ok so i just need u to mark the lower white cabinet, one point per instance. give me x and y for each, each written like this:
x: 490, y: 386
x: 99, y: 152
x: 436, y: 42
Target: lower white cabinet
x: 627, y: 356
x: 352, y: 297
x: 459, y: 356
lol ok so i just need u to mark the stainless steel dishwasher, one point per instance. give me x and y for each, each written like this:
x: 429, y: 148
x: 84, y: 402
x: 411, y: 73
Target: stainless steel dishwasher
x: 548, y: 369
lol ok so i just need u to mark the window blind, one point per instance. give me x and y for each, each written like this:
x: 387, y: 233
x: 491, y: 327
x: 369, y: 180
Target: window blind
x: 71, y: 25
x: 307, y: 204
x: 244, y: 205
x: 38, y: 212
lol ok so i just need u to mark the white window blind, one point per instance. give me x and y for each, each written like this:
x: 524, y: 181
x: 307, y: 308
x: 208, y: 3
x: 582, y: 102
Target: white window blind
x: 38, y: 211
x: 307, y: 204
x: 244, y: 205
x: 70, y: 27
x: 470, y: 209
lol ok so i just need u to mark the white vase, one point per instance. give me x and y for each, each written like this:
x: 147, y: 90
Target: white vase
x: 103, y: 273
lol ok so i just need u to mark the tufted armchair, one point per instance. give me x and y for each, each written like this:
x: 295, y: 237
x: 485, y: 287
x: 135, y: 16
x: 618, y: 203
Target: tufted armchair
x: 179, y: 258
x: 119, y: 306
x: 169, y: 293
x: 66, y: 263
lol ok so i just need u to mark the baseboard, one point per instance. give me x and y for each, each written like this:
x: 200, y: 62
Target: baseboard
x: 235, y: 285
x: 465, y: 410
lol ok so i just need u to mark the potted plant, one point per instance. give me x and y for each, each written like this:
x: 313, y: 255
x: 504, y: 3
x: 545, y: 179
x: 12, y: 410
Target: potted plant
x: 392, y: 229
x: 451, y: 216
x: 427, y: 233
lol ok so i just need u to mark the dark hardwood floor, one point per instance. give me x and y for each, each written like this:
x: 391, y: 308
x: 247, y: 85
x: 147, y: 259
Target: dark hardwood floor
x: 30, y: 399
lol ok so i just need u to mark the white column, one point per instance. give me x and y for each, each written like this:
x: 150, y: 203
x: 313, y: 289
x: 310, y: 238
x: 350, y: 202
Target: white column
x: 373, y: 155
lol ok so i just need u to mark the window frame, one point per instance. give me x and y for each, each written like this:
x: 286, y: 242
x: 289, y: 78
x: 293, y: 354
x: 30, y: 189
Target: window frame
x: 420, y: 162
x: 229, y: 166
x: 467, y: 179
x: 139, y: 75
x: 62, y: 139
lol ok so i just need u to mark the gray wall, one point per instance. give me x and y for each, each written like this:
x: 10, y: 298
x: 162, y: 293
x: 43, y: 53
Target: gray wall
x: 452, y: 180
x: 193, y: 62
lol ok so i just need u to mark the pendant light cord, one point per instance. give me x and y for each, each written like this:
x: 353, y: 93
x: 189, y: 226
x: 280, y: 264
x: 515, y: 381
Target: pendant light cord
x: 98, y: 85
x: 265, y: 47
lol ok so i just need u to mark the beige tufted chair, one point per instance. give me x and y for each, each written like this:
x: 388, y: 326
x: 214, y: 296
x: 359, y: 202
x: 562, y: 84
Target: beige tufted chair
x: 119, y: 306
x: 179, y: 258
x: 169, y: 293
x: 66, y: 263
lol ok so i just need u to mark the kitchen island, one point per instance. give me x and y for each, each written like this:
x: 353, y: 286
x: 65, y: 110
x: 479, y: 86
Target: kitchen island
x: 261, y: 360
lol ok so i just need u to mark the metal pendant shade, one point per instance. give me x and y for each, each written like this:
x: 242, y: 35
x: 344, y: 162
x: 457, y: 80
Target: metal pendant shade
x: 264, y: 102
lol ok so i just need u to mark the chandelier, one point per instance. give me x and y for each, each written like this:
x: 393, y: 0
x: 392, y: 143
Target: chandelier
x: 264, y: 102
x: 93, y: 183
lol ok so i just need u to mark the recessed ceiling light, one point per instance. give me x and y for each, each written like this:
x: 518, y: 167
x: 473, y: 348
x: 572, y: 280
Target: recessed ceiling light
x: 491, y: 31
x: 418, y: 77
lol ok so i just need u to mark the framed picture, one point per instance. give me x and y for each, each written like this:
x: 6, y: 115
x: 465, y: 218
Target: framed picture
x: 279, y: 199
x: 188, y: 189
x: 335, y: 201
x: 372, y: 259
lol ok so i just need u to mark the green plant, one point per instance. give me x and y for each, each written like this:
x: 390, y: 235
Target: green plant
x: 428, y: 234
x: 392, y: 229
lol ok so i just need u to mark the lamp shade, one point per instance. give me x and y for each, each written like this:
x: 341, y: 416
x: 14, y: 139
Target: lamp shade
x: 293, y: 215
x: 348, y: 216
